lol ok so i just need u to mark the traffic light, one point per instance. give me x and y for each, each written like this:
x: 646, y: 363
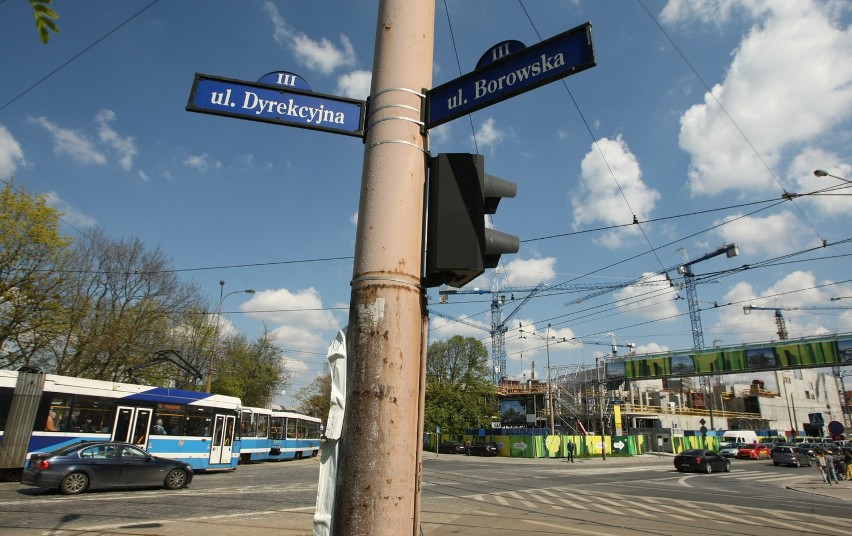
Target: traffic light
x: 458, y: 246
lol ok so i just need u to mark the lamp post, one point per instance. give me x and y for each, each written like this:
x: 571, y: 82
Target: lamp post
x: 216, y: 332
x: 549, y: 391
x: 601, y: 406
x: 823, y: 173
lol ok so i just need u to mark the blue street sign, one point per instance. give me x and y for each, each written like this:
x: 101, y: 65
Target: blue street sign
x: 512, y: 74
x: 284, y: 78
x: 272, y: 104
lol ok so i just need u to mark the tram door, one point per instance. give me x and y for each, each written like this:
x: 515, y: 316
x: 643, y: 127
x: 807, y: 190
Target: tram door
x: 223, y: 439
x: 132, y: 425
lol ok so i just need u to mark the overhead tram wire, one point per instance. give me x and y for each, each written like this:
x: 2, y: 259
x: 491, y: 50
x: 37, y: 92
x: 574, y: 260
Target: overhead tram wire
x: 597, y: 146
x: 77, y: 55
x: 727, y: 115
x: 458, y: 64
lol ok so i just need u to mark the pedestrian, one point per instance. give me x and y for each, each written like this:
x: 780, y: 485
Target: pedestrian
x: 571, y: 450
x: 467, y: 447
x: 821, y: 467
x: 847, y: 457
x: 830, y: 470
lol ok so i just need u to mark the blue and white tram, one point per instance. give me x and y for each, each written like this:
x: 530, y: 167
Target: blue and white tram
x: 254, y: 434
x: 293, y: 436
x: 198, y: 428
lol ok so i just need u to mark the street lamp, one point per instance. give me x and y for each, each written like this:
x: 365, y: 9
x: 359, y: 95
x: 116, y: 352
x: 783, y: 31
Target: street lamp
x: 216, y: 332
x: 822, y: 173
x: 549, y: 391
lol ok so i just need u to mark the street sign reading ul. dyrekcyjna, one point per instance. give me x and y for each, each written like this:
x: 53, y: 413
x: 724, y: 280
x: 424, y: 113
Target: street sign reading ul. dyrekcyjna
x: 512, y: 73
x: 274, y: 103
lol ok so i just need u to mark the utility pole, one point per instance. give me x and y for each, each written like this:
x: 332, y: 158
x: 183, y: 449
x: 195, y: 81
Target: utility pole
x: 377, y: 492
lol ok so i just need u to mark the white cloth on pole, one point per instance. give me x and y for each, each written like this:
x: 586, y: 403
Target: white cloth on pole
x: 333, y: 430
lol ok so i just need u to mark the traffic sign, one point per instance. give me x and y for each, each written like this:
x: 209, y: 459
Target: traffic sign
x: 528, y: 68
x: 274, y: 104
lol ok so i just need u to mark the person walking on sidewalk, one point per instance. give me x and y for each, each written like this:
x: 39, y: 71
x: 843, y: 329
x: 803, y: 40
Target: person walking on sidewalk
x: 571, y: 451
x: 822, y: 467
x: 847, y: 457
x: 830, y: 471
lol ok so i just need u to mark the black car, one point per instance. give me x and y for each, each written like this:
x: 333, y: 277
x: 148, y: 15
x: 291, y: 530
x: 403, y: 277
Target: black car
x: 103, y: 464
x: 792, y: 456
x: 702, y: 460
x: 451, y: 447
x: 484, y: 448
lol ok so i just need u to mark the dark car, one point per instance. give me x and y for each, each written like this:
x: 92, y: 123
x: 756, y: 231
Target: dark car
x: 451, y: 447
x: 792, y: 456
x: 808, y: 448
x: 705, y: 461
x: 103, y: 464
x: 484, y: 448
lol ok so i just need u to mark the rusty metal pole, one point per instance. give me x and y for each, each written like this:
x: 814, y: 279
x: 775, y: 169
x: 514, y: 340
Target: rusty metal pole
x: 377, y: 486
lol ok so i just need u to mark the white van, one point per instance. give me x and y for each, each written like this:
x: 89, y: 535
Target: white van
x: 739, y: 436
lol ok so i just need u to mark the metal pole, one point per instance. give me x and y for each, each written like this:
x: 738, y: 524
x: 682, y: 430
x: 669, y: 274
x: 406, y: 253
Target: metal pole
x: 601, y: 409
x: 549, y: 388
x: 215, y: 336
x: 377, y: 487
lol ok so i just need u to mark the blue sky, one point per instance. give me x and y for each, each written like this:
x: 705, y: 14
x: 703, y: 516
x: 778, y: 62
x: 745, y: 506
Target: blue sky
x: 697, y: 118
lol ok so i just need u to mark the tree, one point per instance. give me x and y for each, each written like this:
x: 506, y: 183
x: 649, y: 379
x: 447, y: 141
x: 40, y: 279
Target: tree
x: 252, y: 371
x: 31, y: 249
x: 122, y: 304
x: 315, y: 398
x: 459, y: 392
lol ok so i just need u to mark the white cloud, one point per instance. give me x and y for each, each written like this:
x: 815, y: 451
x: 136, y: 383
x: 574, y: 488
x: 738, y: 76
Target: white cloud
x: 355, y: 85
x: 321, y: 56
x: 124, y: 147
x: 715, y: 12
x: 71, y: 142
x: 70, y: 214
x: 301, y: 310
x: 775, y: 234
x: 488, y: 135
x: 599, y: 198
x: 11, y: 154
x: 777, y: 112
x: 530, y: 272
x: 202, y: 162
x: 653, y: 298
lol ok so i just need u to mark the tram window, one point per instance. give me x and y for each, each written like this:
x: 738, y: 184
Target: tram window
x: 172, y: 417
x: 262, y: 425
x: 5, y: 404
x: 292, y: 431
x: 276, y: 430
x: 247, y: 427
x: 98, y: 408
x: 57, y: 416
x: 198, y: 422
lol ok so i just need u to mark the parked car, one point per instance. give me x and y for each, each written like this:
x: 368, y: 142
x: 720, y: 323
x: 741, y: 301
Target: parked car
x: 792, y: 456
x: 729, y: 450
x: 755, y: 451
x: 487, y: 448
x: 103, y: 464
x: 703, y: 460
x: 809, y: 448
x: 451, y: 447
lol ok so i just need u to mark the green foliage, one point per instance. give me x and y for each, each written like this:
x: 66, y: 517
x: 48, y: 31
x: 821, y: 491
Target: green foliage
x: 250, y: 370
x: 31, y: 249
x: 315, y: 398
x: 44, y: 17
x: 459, y: 392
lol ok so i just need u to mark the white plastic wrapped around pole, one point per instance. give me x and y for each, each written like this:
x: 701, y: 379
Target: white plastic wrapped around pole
x: 333, y: 429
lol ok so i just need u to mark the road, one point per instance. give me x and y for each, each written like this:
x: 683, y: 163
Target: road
x: 461, y: 495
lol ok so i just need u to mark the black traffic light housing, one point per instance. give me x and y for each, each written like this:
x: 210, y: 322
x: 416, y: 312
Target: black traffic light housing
x: 458, y: 245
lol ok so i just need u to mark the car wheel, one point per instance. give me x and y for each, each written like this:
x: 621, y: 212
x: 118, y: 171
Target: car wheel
x: 775, y: 464
x: 176, y: 479
x: 708, y: 468
x: 798, y: 463
x: 74, y: 483
x: 728, y: 467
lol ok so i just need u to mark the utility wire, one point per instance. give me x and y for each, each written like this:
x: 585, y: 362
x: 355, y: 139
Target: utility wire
x: 75, y: 56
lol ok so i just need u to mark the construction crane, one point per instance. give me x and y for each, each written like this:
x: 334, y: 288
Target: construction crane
x: 631, y: 347
x: 780, y: 323
x: 498, y: 327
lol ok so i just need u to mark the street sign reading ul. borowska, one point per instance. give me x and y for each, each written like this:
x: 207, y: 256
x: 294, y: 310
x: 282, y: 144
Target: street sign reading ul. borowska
x: 511, y: 73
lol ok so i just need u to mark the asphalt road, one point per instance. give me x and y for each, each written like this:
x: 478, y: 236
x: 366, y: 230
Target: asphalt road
x: 461, y: 495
